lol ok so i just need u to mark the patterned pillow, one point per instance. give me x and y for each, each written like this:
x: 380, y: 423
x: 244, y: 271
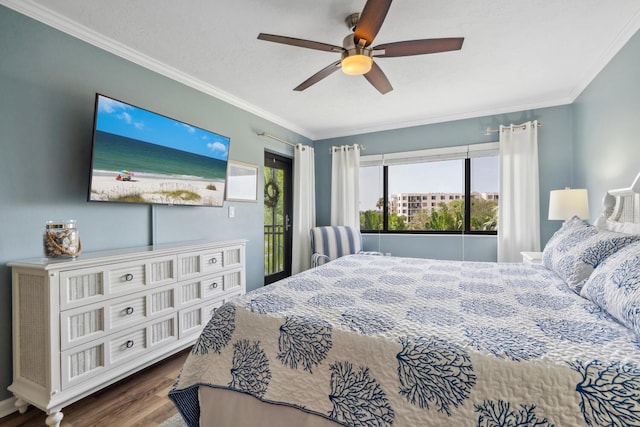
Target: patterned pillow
x: 580, y: 255
x: 615, y: 286
x: 572, y: 232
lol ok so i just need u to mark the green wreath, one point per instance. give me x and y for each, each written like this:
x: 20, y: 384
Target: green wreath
x: 271, y: 194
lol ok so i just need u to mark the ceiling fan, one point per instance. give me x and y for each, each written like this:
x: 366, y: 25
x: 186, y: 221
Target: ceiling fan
x: 357, y: 52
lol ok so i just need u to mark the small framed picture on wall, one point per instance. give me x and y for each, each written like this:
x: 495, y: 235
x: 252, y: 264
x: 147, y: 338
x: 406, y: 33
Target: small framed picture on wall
x: 242, y: 182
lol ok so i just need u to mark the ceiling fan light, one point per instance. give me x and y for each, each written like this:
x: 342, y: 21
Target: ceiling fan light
x: 356, y: 65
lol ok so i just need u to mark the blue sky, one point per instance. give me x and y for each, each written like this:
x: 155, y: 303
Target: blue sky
x: 126, y: 120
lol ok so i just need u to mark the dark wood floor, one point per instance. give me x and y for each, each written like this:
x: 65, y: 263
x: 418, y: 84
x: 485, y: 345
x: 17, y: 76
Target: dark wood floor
x: 138, y: 401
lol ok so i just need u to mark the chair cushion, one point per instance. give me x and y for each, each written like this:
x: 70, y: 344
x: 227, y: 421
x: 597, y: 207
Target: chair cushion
x: 335, y: 241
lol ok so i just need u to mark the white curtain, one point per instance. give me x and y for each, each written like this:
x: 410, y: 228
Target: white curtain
x: 519, y: 211
x: 345, y: 173
x: 304, y: 207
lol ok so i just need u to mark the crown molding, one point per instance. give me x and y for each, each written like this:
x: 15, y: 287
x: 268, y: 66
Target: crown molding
x: 625, y: 34
x: 62, y: 23
x: 55, y: 20
x: 494, y: 111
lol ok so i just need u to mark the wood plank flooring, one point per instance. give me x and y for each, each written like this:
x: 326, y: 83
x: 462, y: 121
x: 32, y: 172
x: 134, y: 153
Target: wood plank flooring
x: 138, y: 401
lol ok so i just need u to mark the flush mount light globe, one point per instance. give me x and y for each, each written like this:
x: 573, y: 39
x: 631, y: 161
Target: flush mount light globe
x: 356, y: 59
x: 356, y: 65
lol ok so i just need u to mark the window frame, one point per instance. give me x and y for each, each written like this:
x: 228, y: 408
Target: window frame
x: 464, y: 152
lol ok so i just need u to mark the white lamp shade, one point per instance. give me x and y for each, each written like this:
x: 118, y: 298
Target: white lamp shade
x: 564, y: 204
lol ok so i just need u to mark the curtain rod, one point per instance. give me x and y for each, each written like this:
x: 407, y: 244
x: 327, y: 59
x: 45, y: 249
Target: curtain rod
x: 277, y: 139
x: 488, y: 131
x: 349, y: 147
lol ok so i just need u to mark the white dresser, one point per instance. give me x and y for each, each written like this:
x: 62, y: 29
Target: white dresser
x: 82, y: 324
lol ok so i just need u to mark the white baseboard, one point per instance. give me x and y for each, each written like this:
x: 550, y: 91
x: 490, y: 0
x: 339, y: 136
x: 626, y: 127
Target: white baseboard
x: 7, y: 407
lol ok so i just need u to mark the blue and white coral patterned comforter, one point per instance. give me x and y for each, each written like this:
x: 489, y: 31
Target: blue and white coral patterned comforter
x: 387, y: 341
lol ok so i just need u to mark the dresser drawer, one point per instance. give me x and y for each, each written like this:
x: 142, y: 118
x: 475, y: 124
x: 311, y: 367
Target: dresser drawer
x: 92, y: 321
x: 86, y: 361
x: 83, y: 286
x: 209, y: 261
x: 87, y: 285
x: 234, y: 257
x: 128, y: 344
x: 127, y: 277
x: 208, y: 287
x: 162, y: 331
x: 82, y: 363
x: 196, y: 290
x: 193, y: 319
x: 234, y: 282
x: 199, y: 263
x: 125, y: 346
x: 213, y: 286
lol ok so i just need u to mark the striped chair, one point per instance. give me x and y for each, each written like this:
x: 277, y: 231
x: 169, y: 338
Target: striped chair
x: 331, y: 242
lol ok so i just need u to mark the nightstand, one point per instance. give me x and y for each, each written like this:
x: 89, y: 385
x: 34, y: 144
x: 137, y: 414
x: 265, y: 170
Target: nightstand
x: 531, y: 257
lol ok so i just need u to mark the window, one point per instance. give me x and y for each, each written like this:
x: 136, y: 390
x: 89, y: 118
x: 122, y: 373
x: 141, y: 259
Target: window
x: 451, y: 190
x: 485, y: 180
x: 371, y: 199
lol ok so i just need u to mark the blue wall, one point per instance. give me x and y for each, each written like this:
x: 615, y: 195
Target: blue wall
x: 48, y: 82
x: 554, y: 157
x: 607, y: 127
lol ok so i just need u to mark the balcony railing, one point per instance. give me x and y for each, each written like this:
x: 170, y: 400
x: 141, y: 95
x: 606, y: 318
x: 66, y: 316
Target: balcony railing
x: 273, y: 249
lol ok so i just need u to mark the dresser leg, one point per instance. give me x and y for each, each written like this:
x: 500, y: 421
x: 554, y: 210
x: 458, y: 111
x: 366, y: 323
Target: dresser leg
x: 21, y: 405
x: 54, y: 419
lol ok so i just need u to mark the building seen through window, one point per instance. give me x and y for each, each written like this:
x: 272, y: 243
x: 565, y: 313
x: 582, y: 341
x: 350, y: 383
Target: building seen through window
x: 451, y: 195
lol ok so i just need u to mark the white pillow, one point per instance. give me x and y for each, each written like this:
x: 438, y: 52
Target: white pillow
x: 623, y: 227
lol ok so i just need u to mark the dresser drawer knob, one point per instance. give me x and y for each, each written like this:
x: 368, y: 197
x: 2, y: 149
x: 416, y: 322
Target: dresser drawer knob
x: 128, y: 277
x: 129, y: 310
x: 214, y: 285
x: 213, y: 261
x: 129, y: 344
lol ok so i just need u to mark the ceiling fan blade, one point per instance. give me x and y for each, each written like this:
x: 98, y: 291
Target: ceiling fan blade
x: 377, y: 78
x: 292, y: 41
x: 327, y: 71
x: 419, y: 47
x: 371, y: 20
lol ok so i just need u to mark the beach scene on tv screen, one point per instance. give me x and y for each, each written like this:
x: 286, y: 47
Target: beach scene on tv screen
x: 144, y: 157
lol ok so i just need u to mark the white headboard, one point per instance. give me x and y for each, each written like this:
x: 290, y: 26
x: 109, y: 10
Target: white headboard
x: 621, y: 205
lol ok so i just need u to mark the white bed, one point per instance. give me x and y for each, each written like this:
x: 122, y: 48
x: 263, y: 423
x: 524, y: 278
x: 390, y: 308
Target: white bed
x: 381, y: 341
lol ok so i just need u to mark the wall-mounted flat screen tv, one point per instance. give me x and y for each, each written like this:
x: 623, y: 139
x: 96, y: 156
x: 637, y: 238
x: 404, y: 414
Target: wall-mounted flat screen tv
x: 139, y: 156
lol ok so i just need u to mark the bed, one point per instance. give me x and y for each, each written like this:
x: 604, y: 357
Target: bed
x: 387, y: 341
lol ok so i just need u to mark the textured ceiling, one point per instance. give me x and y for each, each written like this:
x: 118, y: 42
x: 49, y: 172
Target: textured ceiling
x: 516, y: 54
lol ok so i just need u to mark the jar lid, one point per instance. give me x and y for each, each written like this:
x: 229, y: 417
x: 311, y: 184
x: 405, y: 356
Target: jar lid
x: 69, y: 223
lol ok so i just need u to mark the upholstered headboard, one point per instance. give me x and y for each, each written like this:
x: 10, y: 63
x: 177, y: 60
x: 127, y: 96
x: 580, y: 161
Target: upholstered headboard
x: 621, y: 206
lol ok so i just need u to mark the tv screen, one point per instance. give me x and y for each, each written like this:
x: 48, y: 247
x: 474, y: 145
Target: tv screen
x: 139, y: 156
